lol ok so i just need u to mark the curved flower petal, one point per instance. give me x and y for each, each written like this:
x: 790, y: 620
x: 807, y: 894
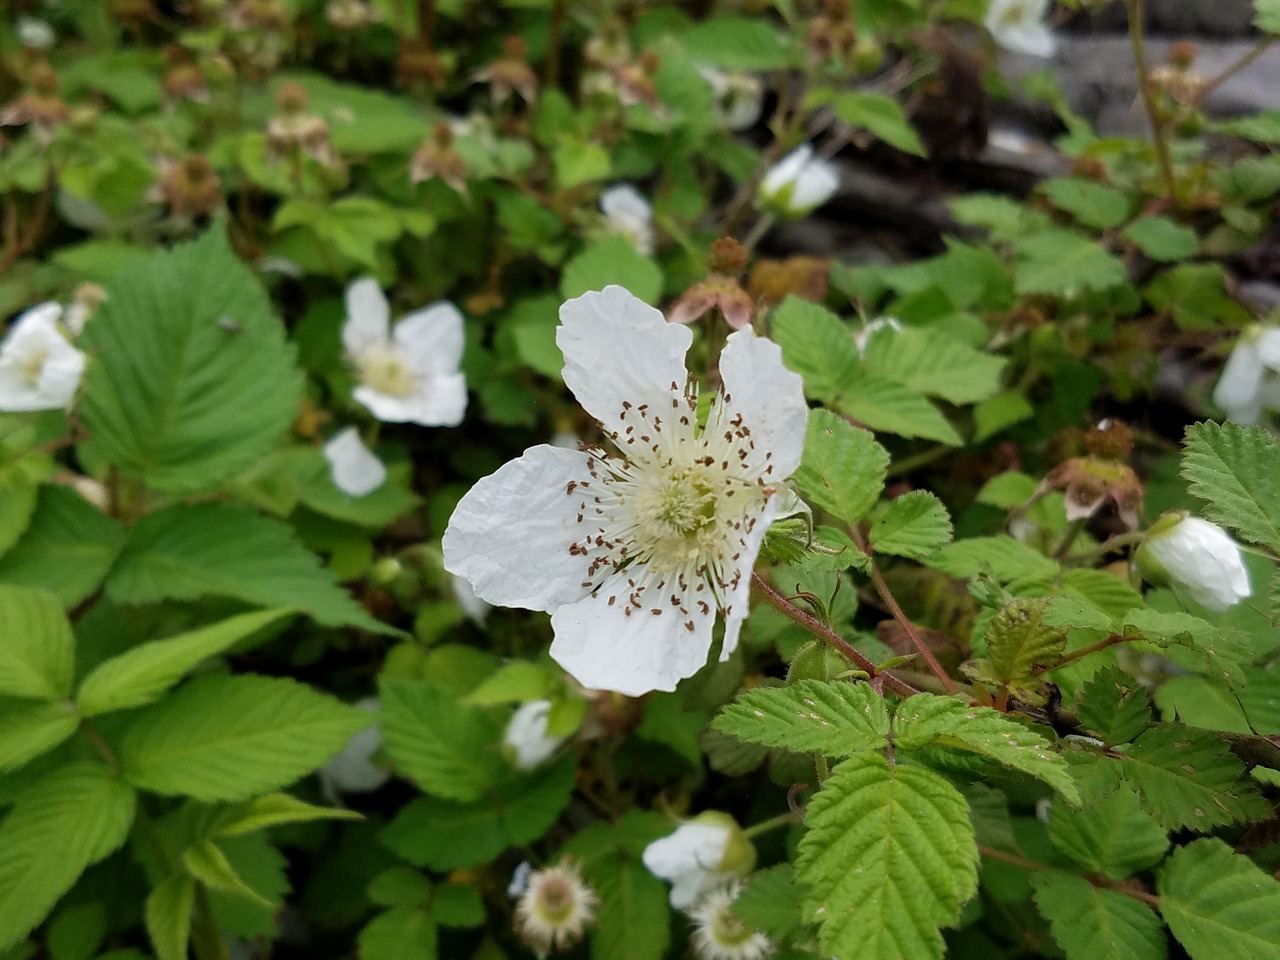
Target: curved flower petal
x: 1268, y: 346
x: 690, y: 858
x: 770, y: 399
x: 353, y: 466
x: 387, y: 408
x: 1033, y: 39
x: 1241, y: 378
x: 606, y: 643
x: 432, y: 339
x: 619, y: 349
x: 509, y: 536
x: 34, y: 341
x: 353, y: 770
x: 785, y: 171
x: 1203, y: 559
x: 368, y: 316
x: 442, y: 402
x: 526, y: 735
x: 737, y: 602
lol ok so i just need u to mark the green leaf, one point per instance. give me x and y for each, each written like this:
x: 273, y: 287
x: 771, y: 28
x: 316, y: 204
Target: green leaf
x: 998, y: 411
x: 447, y: 835
x: 632, y: 922
x: 29, y: 728
x: 19, y: 490
x: 844, y: 469
x: 771, y: 902
x: 457, y: 905
x: 834, y: 718
x: 1090, y: 923
x: 228, y: 738
x: 1093, y: 204
x: 401, y: 933
x: 274, y: 809
x: 1003, y: 557
x: 222, y: 549
x: 140, y: 675
x: 1116, y: 837
x: 168, y: 915
x: 612, y: 260
x: 515, y: 682
x: 1189, y: 778
x: 1220, y: 652
x: 400, y: 887
x: 1062, y: 262
x: 1196, y: 295
x: 1020, y: 644
x: 925, y: 721
x: 908, y: 832
x: 887, y: 406
x: 736, y: 43
x: 446, y: 747
x: 1114, y: 706
x: 1218, y: 904
x: 37, y: 650
x: 913, y: 525
x: 61, y: 824
x: 175, y: 396
x: 67, y: 549
x: 817, y: 345
x: 883, y: 116
x: 934, y: 364
x: 208, y: 864
x: 578, y: 162
x: 1162, y: 239
x: 376, y: 510
x: 1233, y: 469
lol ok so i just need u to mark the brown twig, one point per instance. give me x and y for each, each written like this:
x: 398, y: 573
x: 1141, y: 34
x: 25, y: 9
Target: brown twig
x: 991, y: 853
x: 1138, y: 43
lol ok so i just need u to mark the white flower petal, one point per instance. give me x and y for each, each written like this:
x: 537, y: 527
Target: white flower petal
x: 526, y: 735
x: 784, y: 173
x: 618, y: 348
x: 509, y: 536
x: 368, y: 316
x: 1241, y: 378
x: 799, y: 182
x: 39, y: 369
x: 737, y: 603
x: 689, y: 858
x: 356, y: 471
x: 770, y: 399
x: 353, y: 770
x: 443, y: 401
x: 432, y: 339
x: 387, y: 408
x: 477, y: 610
x: 1268, y: 346
x: 1202, y: 558
x: 1018, y: 25
x: 604, y: 647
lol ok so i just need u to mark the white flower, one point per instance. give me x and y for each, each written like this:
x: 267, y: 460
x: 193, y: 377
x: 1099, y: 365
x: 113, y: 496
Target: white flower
x: 628, y: 213
x: 353, y: 770
x: 1018, y: 26
x: 409, y: 374
x: 554, y: 908
x: 526, y: 735
x: 353, y: 466
x: 39, y: 369
x: 701, y: 855
x: 718, y: 932
x: 633, y: 551
x: 1249, y: 384
x: 1198, y: 556
x: 35, y: 34
x: 519, y: 879
x: 477, y: 610
x: 798, y: 183
x: 863, y: 336
x: 738, y: 97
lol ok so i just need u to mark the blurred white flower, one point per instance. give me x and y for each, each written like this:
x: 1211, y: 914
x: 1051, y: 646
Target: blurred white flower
x: 1019, y: 26
x: 708, y: 852
x: 526, y: 735
x: 1249, y: 383
x: 353, y: 770
x: 633, y: 552
x: 519, y: 879
x: 798, y: 183
x: 555, y: 908
x: 356, y: 471
x: 1196, y: 555
x: 628, y: 213
x: 863, y: 336
x: 409, y: 374
x: 719, y: 934
x: 39, y: 369
x: 738, y: 96
x: 35, y: 34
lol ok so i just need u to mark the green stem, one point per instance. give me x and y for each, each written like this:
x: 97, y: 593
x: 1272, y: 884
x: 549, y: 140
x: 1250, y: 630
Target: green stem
x: 1074, y: 529
x: 991, y: 853
x: 1259, y: 48
x: 773, y: 823
x: 1083, y: 652
x: 757, y: 232
x: 1107, y: 546
x: 1158, y: 126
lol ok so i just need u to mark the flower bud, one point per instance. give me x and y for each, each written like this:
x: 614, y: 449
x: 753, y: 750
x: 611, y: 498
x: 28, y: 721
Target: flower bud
x: 1196, y: 555
x: 798, y: 183
x: 700, y: 855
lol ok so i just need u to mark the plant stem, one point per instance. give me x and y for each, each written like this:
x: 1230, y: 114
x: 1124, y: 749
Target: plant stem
x: 1014, y: 860
x: 1083, y: 652
x: 1262, y: 46
x: 827, y: 635
x: 773, y: 823
x: 555, y: 39
x: 757, y: 232
x: 1149, y: 101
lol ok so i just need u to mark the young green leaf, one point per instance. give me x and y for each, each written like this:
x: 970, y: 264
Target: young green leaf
x: 168, y: 916
x: 833, y: 718
x: 890, y: 407
x: 1093, y: 204
x: 612, y: 260
x: 19, y: 490
x: 37, y: 650
x: 401, y: 933
x: 1089, y: 923
x: 844, y: 468
x: 1020, y: 644
x: 29, y: 728
x: 1234, y: 469
x: 883, y: 116
x: 817, y: 345
x: 1222, y: 651
x: 771, y: 902
x: 1114, y: 706
x: 1062, y: 262
x: 913, y: 525
x: 936, y: 365
x: 1003, y: 557
x: 889, y: 858
x: 274, y: 809
x: 1162, y: 239
x: 208, y: 864
x: 228, y: 738
x: 1218, y: 904
x: 1116, y: 837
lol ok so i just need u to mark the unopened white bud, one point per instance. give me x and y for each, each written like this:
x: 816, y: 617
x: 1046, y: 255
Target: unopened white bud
x: 1196, y: 555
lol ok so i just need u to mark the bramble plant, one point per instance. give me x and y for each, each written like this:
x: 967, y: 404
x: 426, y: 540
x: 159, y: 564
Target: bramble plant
x: 445, y: 511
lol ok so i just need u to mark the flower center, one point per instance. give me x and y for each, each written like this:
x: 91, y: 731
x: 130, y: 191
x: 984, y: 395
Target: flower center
x: 32, y: 366
x: 728, y: 931
x: 1014, y: 15
x: 385, y: 371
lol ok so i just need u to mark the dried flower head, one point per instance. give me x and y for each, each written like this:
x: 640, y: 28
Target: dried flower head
x: 720, y: 934
x: 437, y: 158
x: 510, y: 73
x: 190, y: 186
x: 1101, y: 478
x: 555, y: 908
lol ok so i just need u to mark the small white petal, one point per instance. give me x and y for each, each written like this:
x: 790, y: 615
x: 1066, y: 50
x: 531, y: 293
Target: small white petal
x: 1241, y: 378
x: 737, y: 602
x: 799, y: 182
x: 477, y: 610
x: 618, y: 348
x: 368, y: 317
x: 1268, y: 346
x: 526, y: 735
x: 433, y: 338
x: 771, y: 400
x: 39, y: 369
x: 1202, y: 558
x: 784, y: 173
x: 509, y: 536
x: 1018, y: 26
x: 519, y: 879
x: 35, y: 33
x: 356, y: 471
x: 690, y: 858
x: 629, y: 213
x: 443, y: 401
x: 353, y: 770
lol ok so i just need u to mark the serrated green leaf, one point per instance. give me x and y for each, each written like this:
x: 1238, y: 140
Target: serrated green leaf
x: 633, y: 920
x: 515, y: 682
x: 61, y: 824
x: 457, y: 905
x: 612, y: 260
x: 728, y: 755
x: 913, y: 525
x: 889, y: 858
x: 517, y: 810
x: 1003, y: 557
x: 29, y: 728
x: 168, y: 916
x: 838, y: 552
x: 222, y: 549
x: 446, y: 747
x: 844, y: 469
x: 926, y: 721
x: 1090, y: 923
x: 1114, y: 706
x: 19, y: 490
x: 1162, y: 239
x: 1109, y: 593
x: 401, y: 933
x: 1199, y: 702
x: 173, y: 395
x: 140, y: 675
x: 1195, y: 294
x: 1260, y: 700
x: 209, y: 865
x: 883, y: 116
x: 37, y: 650
x: 1222, y: 651
x: 67, y: 548
x: 228, y: 738
x: 1218, y: 904
x: 1233, y: 469
x: 890, y: 407
x: 1189, y: 778
x: 1076, y: 613
x: 1116, y: 837
x: 1062, y: 262
x: 770, y: 902
x: 834, y: 718
x: 400, y: 887
x: 817, y: 345
x: 736, y: 43
x: 1093, y: 204
x: 274, y: 809
x: 1020, y: 643
x: 931, y: 363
